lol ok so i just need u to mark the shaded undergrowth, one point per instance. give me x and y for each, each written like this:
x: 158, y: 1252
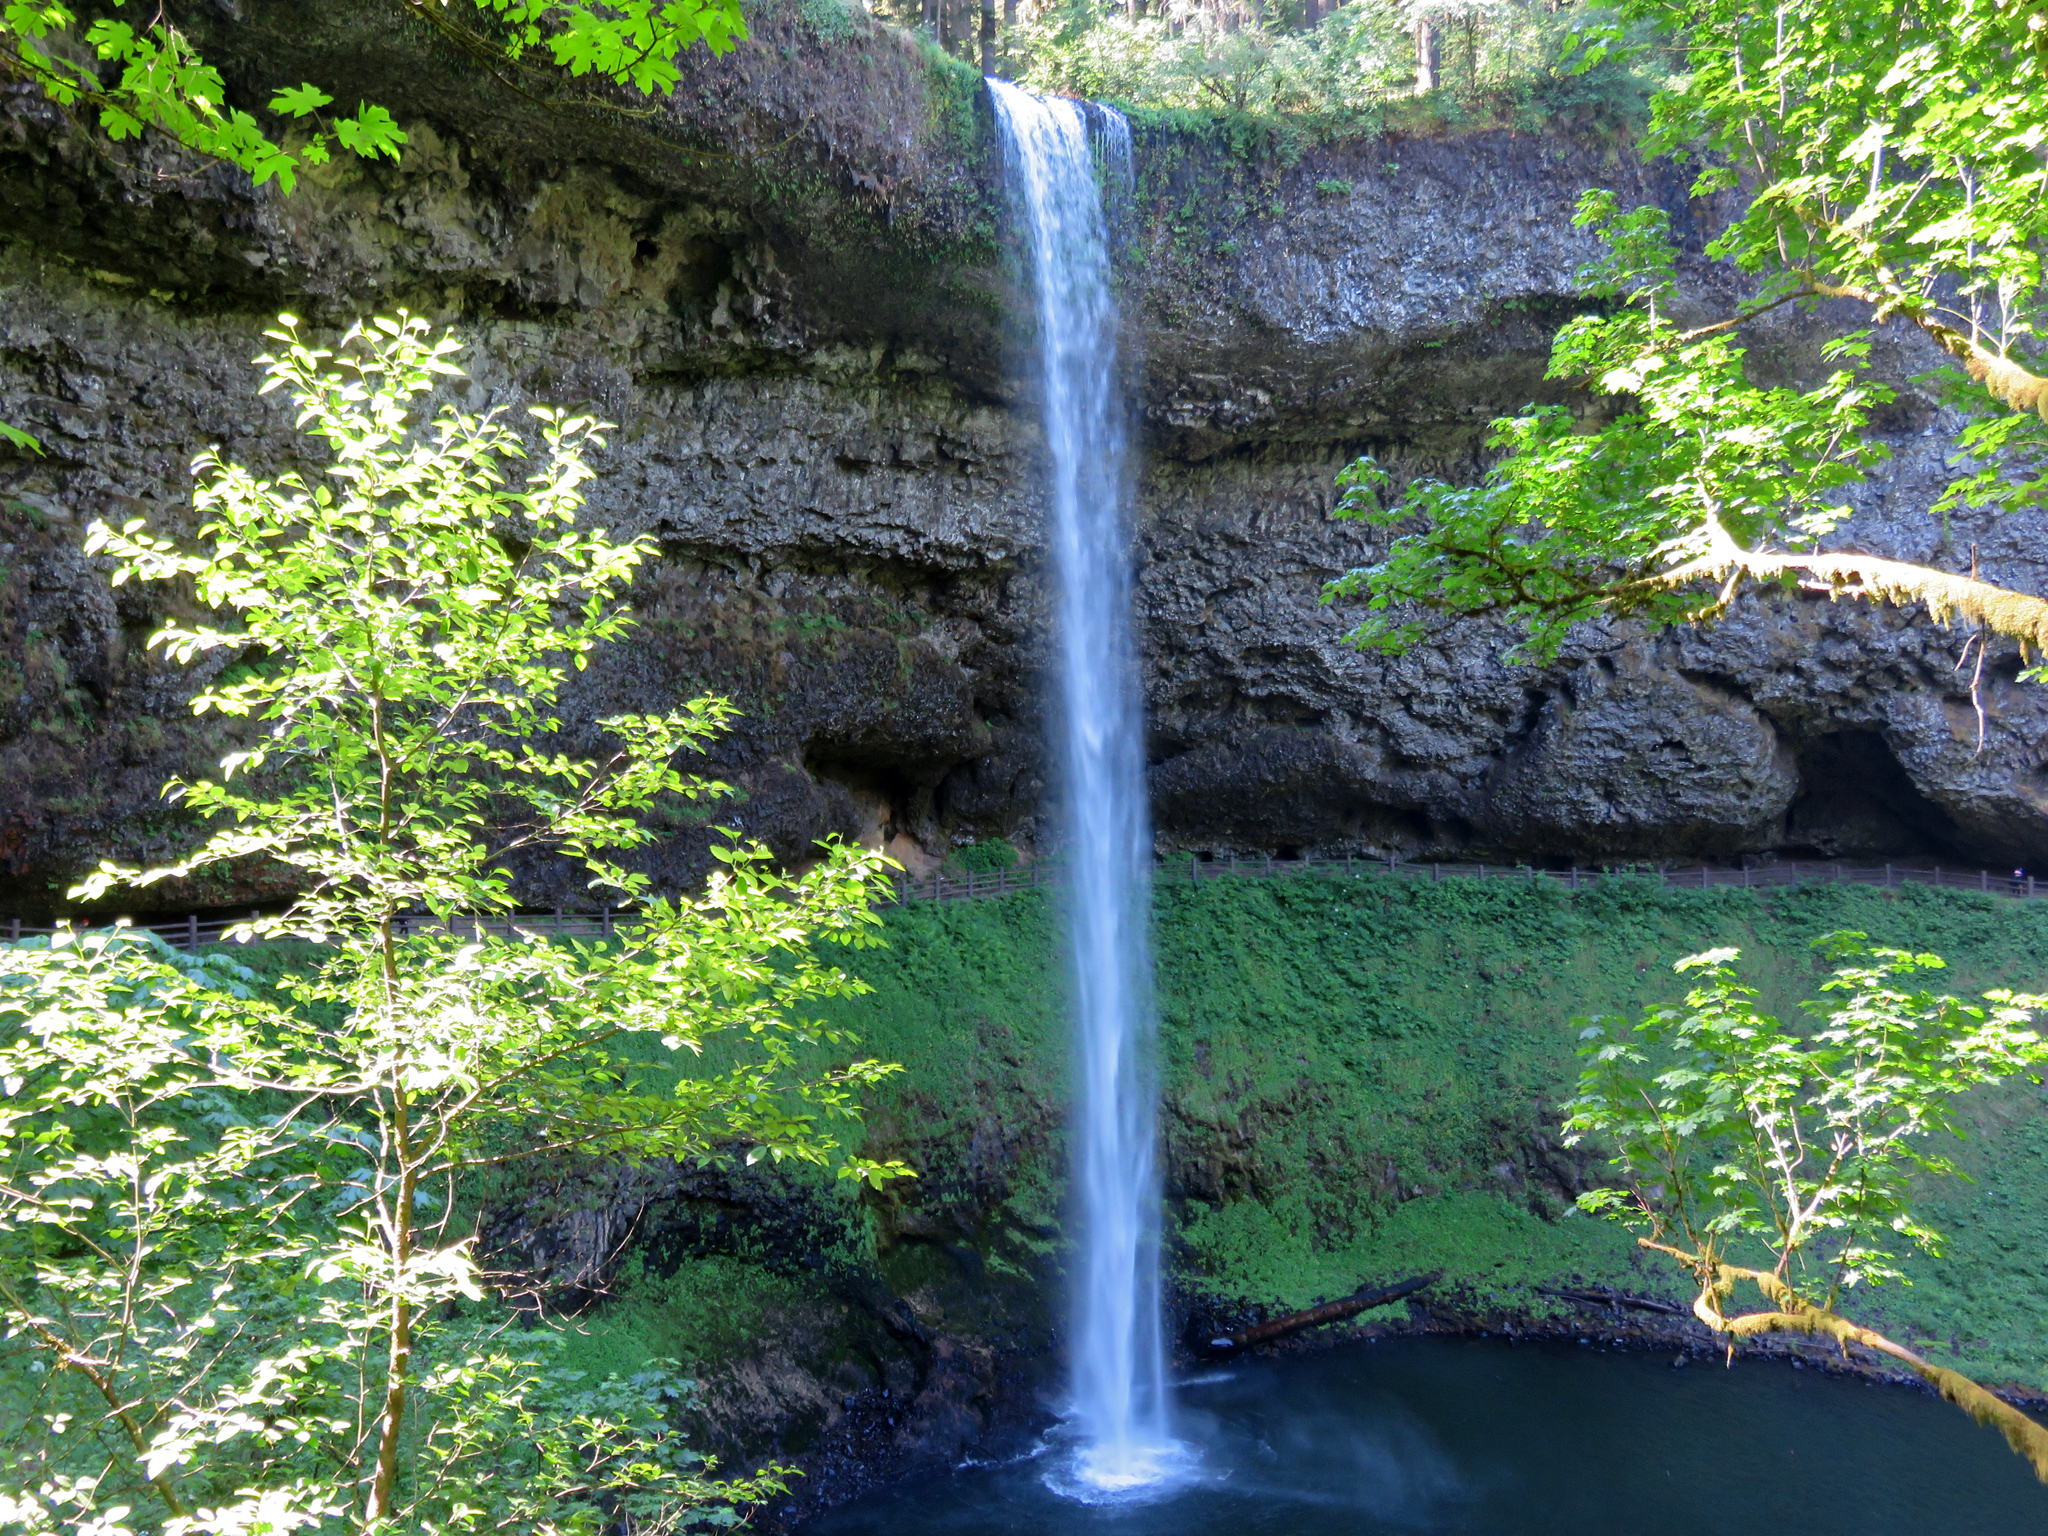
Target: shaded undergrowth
x: 1360, y: 1080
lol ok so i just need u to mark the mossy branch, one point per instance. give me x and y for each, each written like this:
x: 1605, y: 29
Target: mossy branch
x: 2004, y: 379
x: 1948, y: 596
x: 1795, y: 1314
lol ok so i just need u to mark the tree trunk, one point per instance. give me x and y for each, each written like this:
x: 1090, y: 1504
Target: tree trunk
x: 1429, y: 58
x: 1315, y: 1317
x: 398, y: 1363
x: 1309, y: 16
x: 988, y: 37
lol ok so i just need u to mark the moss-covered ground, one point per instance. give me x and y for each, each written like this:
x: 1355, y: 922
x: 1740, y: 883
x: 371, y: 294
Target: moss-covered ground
x: 1360, y: 1083
x: 1361, y: 1078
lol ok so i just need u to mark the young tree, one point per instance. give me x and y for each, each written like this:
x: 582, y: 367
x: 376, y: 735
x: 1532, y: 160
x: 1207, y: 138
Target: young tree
x: 1755, y: 1154
x: 1890, y: 156
x: 233, y: 1220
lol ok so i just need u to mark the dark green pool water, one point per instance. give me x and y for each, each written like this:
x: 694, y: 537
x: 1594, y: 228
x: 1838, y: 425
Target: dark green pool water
x: 1419, y: 1436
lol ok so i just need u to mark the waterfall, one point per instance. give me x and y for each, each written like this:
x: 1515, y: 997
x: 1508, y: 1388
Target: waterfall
x: 1120, y: 1405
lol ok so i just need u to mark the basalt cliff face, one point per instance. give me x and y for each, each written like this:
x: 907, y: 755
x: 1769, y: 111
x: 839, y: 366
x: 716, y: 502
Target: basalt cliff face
x: 793, y: 292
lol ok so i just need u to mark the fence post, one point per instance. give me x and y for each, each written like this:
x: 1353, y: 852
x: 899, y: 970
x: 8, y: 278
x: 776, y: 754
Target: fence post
x: 1887, y: 877
x: 1194, y: 870
x: 1706, y: 884
x: 13, y: 930
x: 1482, y: 871
x: 1575, y: 877
x: 1986, y: 882
x: 605, y: 922
x: 1347, y: 866
x: 1269, y: 864
x: 191, y: 930
x: 1436, y: 873
x: 938, y: 886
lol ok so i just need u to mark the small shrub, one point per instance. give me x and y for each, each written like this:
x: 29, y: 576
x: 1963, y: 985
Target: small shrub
x: 982, y: 858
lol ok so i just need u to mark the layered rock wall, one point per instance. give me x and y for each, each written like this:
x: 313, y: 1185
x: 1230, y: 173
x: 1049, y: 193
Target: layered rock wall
x: 794, y: 295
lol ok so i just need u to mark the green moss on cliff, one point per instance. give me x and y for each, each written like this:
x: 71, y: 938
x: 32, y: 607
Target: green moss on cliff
x: 1361, y: 1077
x: 1360, y: 1081
x: 699, y: 1310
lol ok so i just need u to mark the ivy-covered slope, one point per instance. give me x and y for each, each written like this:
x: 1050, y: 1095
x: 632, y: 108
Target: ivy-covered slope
x: 1360, y: 1083
x: 1361, y: 1078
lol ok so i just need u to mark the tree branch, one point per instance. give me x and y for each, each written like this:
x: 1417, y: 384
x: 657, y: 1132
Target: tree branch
x: 1795, y: 1314
x: 1948, y: 597
x: 1803, y: 292
x: 2006, y: 380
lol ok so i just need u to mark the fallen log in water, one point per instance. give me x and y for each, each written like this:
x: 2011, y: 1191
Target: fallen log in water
x: 1610, y: 1299
x: 1225, y: 1344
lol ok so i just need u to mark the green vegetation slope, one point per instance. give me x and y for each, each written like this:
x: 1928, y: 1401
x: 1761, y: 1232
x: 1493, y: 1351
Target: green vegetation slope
x: 1360, y: 1079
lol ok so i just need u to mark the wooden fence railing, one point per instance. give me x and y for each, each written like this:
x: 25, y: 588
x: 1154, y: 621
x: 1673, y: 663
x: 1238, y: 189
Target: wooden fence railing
x: 1169, y: 871
x: 191, y: 931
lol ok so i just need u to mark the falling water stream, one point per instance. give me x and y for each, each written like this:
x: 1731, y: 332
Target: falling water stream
x: 1418, y: 1437
x: 1120, y: 1406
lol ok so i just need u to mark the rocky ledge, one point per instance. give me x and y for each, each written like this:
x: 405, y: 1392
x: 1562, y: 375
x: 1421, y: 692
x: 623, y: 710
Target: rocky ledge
x: 794, y: 293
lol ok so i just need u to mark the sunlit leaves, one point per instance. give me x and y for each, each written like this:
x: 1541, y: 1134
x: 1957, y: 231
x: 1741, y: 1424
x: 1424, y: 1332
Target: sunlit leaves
x: 632, y: 41
x: 1893, y: 147
x: 1744, y: 1139
x: 1889, y: 155
x: 370, y: 133
x: 232, y: 1215
x: 1569, y: 516
x: 299, y: 101
x: 149, y: 77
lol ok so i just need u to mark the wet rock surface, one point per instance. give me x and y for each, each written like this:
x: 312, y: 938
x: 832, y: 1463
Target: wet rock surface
x: 791, y: 294
x: 903, y: 1331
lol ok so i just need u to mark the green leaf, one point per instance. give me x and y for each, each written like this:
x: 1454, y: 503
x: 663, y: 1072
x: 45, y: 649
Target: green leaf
x: 370, y: 133
x: 300, y: 100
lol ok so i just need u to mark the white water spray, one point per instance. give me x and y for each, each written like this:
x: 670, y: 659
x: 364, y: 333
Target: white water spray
x: 1119, y: 1362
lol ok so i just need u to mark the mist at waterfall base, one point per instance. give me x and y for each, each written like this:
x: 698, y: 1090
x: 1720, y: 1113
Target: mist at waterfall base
x: 1484, y: 1437
x: 1119, y: 1444
x: 1410, y: 1436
